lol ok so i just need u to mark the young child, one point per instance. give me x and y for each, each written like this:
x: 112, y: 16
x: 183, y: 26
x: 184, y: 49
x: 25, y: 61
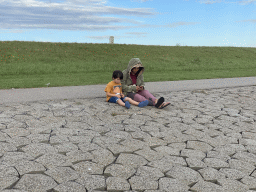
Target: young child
x: 114, y: 92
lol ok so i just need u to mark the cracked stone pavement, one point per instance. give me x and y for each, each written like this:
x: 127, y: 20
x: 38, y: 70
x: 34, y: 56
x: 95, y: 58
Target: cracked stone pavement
x: 204, y: 141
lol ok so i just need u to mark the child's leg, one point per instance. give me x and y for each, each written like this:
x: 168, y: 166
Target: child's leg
x: 131, y: 101
x: 120, y: 102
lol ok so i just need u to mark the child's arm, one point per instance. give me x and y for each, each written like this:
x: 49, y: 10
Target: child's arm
x: 110, y: 95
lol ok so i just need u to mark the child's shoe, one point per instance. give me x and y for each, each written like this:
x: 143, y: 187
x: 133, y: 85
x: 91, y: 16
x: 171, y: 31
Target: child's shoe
x: 143, y: 103
x: 127, y: 104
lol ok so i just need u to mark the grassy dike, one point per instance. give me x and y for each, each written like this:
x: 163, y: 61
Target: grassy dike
x: 34, y: 64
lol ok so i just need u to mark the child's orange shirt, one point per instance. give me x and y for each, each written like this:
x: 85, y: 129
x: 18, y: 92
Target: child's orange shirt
x: 113, y: 88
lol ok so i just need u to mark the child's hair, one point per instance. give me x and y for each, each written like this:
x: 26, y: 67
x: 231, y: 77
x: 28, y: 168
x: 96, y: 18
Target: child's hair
x: 117, y: 74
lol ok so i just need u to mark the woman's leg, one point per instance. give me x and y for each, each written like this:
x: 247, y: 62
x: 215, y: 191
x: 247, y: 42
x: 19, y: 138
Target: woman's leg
x: 139, y: 98
x: 146, y: 95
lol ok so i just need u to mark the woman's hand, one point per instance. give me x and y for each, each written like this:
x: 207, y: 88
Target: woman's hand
x: 122, y: 95
x: 138, y: 88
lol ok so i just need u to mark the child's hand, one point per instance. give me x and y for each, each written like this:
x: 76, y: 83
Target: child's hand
x: 119, y: 96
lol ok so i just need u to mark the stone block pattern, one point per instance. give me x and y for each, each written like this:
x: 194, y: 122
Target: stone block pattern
x: 204, y: 141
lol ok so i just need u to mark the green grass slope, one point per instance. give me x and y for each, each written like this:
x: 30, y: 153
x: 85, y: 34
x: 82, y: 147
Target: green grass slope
x: 34, y: 64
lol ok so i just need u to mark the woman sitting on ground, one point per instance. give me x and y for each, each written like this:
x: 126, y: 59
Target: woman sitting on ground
x: 133, y: 85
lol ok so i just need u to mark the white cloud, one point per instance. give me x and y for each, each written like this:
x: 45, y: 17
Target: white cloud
x: 250, y: 20
x: 99, y: 37
x: 243, y: 2
x: 87, y: 2
x: 69, y: 15
x: 210, y: 1
x: 136, y: 33
x: 176, y: 24
x: 106, y: 37
x: 141, y: 1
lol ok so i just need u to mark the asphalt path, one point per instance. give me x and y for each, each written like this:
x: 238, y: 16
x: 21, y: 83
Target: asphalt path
x: 97, y: 91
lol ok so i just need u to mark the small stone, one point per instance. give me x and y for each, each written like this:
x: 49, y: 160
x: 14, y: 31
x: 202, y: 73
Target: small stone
x: 17, y: 132
x: 38, y: 138
x: 117, y: 184
x: 232, y: 185
x: 251, y: 148
x: 65, y: 147
x: 190, y: 153
x: 179, y: 146
x: 247, y: 141
x: 75, y: 156
x: 249, y: 135
x: 35, y: 182
x: 204, y: 147
x: 149, y: 154
x: 140, y: 183
x: 154, y: 141
x: 218, y: 155
x: 195, y: 163
x: 245, y: 156
x: 121, y: 171
x: 7, y: 181
x: 6, y: 171
x: 24, y: 167
x: 167, y: 151
x: 250, y: 182
x: 118, y: 134
x: 134, y: 144
x: 253, y: 174
x: 62, y: 174
x: 232, y: 173
x: 149, y: 173
x: 37, y: 149
x: 204, y: 186
x: 13, y: 158
x: 102, y: 156
x: 18, y: 141
x: 53, y: 160
x: 215, y: 163
x: 242, y: 166
x: 92, y: 182
x: 116, y: 149
x: 140, y: 135
x: 88, y: 167
x: 87, y: 147
x: 164, y: 164
x: 131, y: 159
x: 211, y: 174
x: 57, y: 139
x: 184, y: 174
x: 70, y: 187
x: 172, y: 185
x: 7, y: 147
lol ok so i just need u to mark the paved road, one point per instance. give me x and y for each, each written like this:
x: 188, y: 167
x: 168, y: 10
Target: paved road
x: 91, y: 91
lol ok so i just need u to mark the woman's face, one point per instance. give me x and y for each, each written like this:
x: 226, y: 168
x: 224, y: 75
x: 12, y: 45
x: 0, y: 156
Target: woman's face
x: 135, y: 69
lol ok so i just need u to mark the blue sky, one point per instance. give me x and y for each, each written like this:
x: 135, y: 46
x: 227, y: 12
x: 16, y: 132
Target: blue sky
x: 144, y: 22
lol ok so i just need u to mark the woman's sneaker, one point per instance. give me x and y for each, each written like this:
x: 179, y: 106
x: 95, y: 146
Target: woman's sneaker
x: 127, y: 104
x: 143, y: 103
